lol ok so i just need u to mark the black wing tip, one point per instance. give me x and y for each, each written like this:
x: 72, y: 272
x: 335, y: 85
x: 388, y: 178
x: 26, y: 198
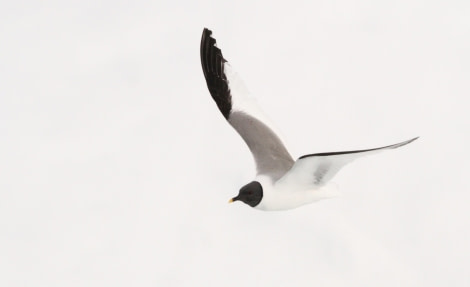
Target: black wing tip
x: 209, y: 45
x: 393, y: 146
x: 413, y: 139
x: 212, y: 62
x: 404, y: 143
x: 206, y: 31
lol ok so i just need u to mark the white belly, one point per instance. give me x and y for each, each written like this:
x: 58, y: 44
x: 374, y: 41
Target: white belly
x: 281, y: 198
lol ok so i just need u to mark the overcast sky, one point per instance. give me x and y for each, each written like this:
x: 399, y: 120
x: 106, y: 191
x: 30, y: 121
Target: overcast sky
x: 116, y: 165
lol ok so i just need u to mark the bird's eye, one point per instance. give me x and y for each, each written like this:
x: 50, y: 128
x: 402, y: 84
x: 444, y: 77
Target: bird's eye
x: 250, y: 192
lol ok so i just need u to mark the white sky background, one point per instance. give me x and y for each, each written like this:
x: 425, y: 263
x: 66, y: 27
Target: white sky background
x: 116, y: 165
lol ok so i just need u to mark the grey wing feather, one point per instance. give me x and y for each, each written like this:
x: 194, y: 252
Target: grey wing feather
x: 241, y: 111
x: 318, y: 169
x: 271, y: 156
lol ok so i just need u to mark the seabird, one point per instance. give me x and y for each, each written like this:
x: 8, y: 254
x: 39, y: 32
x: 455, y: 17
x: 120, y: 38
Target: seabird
x: 280, y: 183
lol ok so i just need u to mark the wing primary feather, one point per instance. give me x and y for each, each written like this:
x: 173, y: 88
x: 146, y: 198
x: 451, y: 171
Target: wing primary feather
x: 318, y: 169
x: 241, y: 111
x: 358, y: 151
x: 212, y: 62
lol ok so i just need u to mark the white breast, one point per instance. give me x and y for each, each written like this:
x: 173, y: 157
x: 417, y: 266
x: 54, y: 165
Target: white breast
x: 281, y: 197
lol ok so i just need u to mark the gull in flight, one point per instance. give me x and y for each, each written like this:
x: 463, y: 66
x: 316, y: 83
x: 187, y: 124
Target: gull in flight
x: 280, y: 183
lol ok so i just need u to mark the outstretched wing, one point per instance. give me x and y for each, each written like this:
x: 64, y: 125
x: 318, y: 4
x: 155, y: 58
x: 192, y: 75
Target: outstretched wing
x: 317, y: 169
x: 241, y: 111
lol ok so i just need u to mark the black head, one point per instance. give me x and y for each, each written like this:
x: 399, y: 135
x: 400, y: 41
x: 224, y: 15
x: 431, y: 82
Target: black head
x: 250, y: 194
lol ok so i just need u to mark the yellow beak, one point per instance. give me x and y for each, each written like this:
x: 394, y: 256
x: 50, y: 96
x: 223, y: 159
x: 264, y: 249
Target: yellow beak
x: 231, y: 200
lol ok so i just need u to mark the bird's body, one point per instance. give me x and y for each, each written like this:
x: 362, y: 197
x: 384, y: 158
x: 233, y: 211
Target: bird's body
x: 281, y: 183
x: 279, y: 196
